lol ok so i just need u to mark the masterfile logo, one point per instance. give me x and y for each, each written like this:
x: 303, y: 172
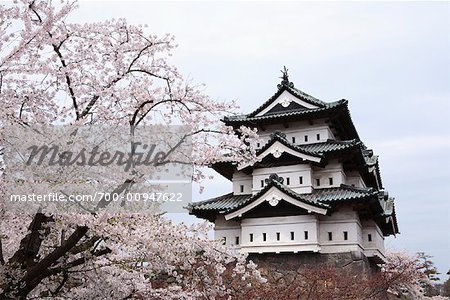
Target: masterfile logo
x: 88, y: 168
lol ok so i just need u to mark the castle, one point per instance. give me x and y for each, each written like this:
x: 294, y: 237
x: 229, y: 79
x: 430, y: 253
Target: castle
x: 315, y: 191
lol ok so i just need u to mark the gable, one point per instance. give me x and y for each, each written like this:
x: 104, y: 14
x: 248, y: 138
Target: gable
x: 274, y: 196
x: 286, y: 102
x: 282, y: 209
x: 277, y: 149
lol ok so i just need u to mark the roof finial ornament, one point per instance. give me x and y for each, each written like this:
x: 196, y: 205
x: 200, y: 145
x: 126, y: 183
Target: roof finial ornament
x: 274, y: 177
x: 285, y: 79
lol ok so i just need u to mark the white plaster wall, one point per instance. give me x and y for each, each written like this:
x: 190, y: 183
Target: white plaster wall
x: 221, y: 223
x: 317, y: 226
x: 240, y: 178
x: 294, y: 173
x: 299, y: 131
x: 296, y: 125
x: 370, y: 227
x: 228, y: 229
x: 283, y: 225
x: 229, y: 235
x: 354, y: 178
x: 345, y: 220
x: 334, y: 170
x: 359, y: 235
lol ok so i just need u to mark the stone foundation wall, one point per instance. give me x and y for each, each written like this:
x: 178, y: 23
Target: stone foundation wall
x: 284, y: 264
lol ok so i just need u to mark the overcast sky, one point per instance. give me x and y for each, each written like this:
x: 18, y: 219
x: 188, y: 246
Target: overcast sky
x: 390, y: 60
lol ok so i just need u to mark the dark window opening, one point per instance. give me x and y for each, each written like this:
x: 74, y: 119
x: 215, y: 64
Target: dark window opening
x: 237, y: 240
x: 264, y: 237
x: 262, y: 183
x: 330, y: 180
x: 306, y: 235
x: 306, y: 138
x: 318, y: 181
x: 278, y: 236
x: 251, y: 237
x: 293, y: 140
x: 330, y: 236
x: 369, y: 237
x: 224, y: 240
x: 292, y: 236
x: 242, y: 188
x: 300, y: 179
x: 345, y: 235
x: 318, y: 136
x: 258, y: 144
x: 288, y: 181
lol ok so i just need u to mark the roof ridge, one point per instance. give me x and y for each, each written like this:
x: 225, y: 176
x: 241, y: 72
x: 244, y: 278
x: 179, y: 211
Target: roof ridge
x: 331, y: 141
x: 295, y: 92
x: 356, y: 188
x: 308, y: 148
x: 282, y: 139
x: 308, y: 97
x: 213, y: 199
x: 288, y: 190
x: 240, y: 118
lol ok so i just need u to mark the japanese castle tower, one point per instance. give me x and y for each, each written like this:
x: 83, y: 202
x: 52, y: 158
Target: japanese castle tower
x: 316, y: 188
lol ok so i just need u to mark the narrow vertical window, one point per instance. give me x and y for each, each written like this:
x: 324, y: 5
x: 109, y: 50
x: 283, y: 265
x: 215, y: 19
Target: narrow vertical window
x: 251, y: 237
x: 224, y: 240
x: 300, y: 180
x: 237, y: 240
x: 345, y: 235
x: 242, y: 188
x: 258, y: 145
x: 330, y: 236
x: 306, y: 138
x: 278, y: 236
x: 293, y: 140
x: 288, y: 181
x: 330, y: 180
x: 292, y: 236
x: 369, y: 237
x: 264, y: 237
x: 306, y: 235
x: 262, y: 183
x: 318, y: 181
x: 318, y: 136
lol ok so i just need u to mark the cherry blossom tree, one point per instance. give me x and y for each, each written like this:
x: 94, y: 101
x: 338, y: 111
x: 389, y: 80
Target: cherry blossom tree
x: 402, y: 276
x: 53, y: 72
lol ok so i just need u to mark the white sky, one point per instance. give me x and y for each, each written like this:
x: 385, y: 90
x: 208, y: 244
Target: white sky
x: 390, y: 60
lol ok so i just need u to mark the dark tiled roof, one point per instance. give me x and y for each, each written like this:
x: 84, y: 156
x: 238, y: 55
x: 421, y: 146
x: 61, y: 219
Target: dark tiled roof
x: 308, y: 98
x: 278, y: 137
x: 389, y: 223
x: 287, y: 191
x: 342, y: 193
x: 221, y: 203
x: 295, y: 92
x: 319, y: 197
x: 304, y: 112
x: 371, y: 160
x: 316, y: 149
x: 330, y: 146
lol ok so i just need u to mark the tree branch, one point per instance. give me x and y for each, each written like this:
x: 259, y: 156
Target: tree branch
x: 133, y: 120
x: 35, y: 275
x: 29, y: 246
x: 138, y: 55
x: 68, y: 80
x: 2, y: 259
x: 61, y: 284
